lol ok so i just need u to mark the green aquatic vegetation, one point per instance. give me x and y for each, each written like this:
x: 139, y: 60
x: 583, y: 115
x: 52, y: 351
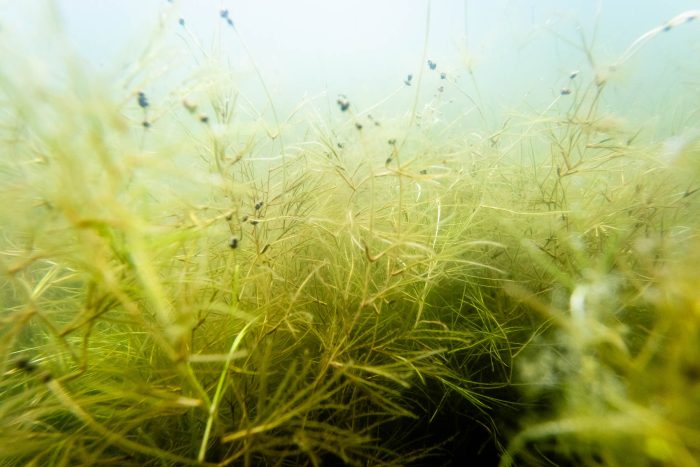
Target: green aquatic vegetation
x: 615, y: 318
x: 136, y: 330
x: 615, y: 239
x: 197, y: 291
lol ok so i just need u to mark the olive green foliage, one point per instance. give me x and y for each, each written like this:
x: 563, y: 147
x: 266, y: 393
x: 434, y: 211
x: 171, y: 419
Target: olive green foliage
x: 201, y: 291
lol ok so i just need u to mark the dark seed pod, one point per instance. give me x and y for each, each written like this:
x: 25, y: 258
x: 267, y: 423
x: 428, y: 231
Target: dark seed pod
x: 343, y: 103
x: 143, y: 101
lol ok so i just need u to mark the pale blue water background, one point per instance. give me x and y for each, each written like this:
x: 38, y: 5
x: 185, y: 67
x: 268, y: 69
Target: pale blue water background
x: 519, y: 51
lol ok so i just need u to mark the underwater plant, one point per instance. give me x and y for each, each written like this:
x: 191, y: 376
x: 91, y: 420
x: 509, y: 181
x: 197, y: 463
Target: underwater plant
x: 189, y: 279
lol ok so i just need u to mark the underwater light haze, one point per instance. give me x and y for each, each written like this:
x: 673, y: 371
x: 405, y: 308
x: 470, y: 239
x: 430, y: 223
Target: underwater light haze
x: 401, y: 232
x: 520, y: 52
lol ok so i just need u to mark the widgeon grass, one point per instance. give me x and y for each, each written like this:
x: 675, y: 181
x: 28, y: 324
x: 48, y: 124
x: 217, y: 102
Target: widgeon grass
x: 188, y: 290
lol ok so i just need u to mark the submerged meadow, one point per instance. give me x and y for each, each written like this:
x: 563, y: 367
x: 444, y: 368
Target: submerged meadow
x: 189, y: 278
